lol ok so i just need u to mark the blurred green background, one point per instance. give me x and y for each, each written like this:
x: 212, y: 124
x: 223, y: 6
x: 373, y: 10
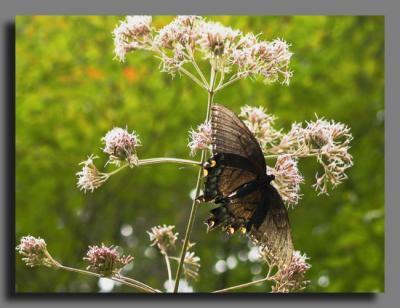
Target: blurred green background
x: 70, y: 92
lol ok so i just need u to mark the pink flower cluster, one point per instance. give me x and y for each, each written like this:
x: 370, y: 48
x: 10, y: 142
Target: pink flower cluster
x: 261, y: 125
x: 292, y: 278
x: 34, y: 251
x: 200, y: 139
x: 227, y: 49
x: 90, y: 178
x: 121, y: 145
x: 287, y: 179
x: 106, y: 260
x: 163, y: 237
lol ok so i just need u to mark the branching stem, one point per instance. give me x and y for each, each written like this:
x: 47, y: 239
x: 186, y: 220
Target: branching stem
x: 198, y: 185
x: 244, y: 285
x: 191, y: 55
x: 124, y: 280
x: 194, y: 78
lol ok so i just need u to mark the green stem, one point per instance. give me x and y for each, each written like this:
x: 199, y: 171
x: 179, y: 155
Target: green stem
x: 140, y: 286
x: 292, y: 154
x: 191, y: 76
x: 220, y: 87
x: 160, y: 160
x: 116, y: 170
x: 131, y: 282
x: 245, y: 285
x: 198, y: 185
x: 169, y: 271
x: 185, y: 71
x: 139, y: 283
x: 156, y: 160
x: 191, y: 55
x: 240, y: 286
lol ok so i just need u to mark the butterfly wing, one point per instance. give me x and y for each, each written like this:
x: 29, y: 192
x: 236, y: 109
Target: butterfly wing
x: 231, y: 135
x: 234, y: 214
x: 237, y: 157
x: 225, y: 173
x: 274, y: 232
x: 237, y: 161
x: 265, y: 209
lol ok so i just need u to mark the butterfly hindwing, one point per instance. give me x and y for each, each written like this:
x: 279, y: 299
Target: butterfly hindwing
x: 225, y: 174
x: 274, y: 232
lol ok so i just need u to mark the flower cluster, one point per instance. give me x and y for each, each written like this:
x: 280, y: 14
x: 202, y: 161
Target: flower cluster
x: 163, y: 237
x: 121, y: 145
x: 287, y: 179
x: 34, y: 252
x: 267, y: 59
x: 106, y: 260
x: 191, y: 265
x: 176, y: 42
x: 291, y: 278
x: 328, y: 141
x: 227, y: 49
x: 200, y: 139
x: 90, y: 178
x: 260, y: 124
x: 132, y: 33
x: 216, y: 40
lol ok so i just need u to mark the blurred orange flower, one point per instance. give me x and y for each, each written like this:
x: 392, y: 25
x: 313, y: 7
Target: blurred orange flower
x: 130, y: 74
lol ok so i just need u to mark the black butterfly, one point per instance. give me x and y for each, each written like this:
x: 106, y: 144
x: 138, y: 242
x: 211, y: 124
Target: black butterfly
x: 236, y: 179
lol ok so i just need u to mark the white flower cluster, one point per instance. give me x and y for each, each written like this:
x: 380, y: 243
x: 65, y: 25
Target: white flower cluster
x: 90, y: 178
x: 227, y: 49
x: 163, y: 237
x: 200, y: 139
x: 34, y: 251
x: 260, y: 124
x: 191, y: 265
x: 132, y: 33
x: 287, y: 179
x: 121, y: 145
x: 328, y: 141
x: 291, y: 278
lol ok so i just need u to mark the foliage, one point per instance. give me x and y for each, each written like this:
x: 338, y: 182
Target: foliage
x: 69, y: 93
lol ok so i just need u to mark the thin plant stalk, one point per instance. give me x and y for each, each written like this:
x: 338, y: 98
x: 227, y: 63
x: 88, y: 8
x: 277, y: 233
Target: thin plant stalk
x: 160, y: 160
x: 139, y: 286
x: 194, y: 78
x: 198, y: 185
x: 191, y: 55
x: 130, y: 281
x: 138, y: 283
x: 169, y: 271
x: 232, y: 80
x: 227, y: 83
x: 241, y: 286
x: 248, y: 284
x: 294, y: 155
x: 156, y: 160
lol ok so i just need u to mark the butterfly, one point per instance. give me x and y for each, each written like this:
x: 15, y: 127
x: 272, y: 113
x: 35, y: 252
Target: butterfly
x: 236, y: 179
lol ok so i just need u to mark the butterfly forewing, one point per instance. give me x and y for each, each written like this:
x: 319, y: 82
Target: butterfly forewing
x: 231, y: 135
